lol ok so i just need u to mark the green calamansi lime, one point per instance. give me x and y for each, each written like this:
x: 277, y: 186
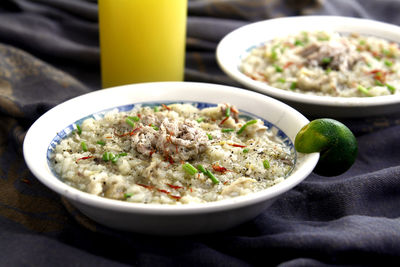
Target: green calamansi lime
x: 336, y: 143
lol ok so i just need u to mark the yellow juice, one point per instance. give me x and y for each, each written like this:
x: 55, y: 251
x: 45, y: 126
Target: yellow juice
x: 142, y: 40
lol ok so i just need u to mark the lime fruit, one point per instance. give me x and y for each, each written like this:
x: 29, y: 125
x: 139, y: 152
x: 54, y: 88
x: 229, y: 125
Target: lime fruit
x: 336, y: 143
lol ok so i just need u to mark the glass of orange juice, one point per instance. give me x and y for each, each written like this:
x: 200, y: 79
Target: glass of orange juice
x: 142, y: 40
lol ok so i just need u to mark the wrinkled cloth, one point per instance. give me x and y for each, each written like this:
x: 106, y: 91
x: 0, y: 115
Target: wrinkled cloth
x: 49, y: 53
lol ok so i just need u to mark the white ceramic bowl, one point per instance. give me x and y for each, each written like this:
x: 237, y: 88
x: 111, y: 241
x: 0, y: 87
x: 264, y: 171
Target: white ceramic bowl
x: 237, y: 44
x: 164, y: 219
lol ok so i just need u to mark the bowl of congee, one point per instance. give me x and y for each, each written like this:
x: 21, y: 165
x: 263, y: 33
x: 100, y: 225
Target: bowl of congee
x: 169, y: 158
x: 321, y: 65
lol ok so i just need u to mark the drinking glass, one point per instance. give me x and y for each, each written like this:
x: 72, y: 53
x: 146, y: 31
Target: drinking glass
x: 142, y: 40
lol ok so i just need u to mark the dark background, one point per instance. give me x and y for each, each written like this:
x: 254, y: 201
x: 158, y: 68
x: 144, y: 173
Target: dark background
x: 49, y: 52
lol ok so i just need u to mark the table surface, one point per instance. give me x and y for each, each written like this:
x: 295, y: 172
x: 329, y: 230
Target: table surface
x: 49, y: 52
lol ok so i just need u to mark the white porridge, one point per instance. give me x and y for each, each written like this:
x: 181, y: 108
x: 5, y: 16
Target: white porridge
x: 175, y: 154
x: 327, y: 64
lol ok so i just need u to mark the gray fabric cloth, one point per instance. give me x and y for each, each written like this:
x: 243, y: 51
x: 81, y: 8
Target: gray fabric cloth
x: 49, y: 53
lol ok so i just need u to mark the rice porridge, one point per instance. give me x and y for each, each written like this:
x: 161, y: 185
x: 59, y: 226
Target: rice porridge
x: 175, y: 154
x: 327, y: 64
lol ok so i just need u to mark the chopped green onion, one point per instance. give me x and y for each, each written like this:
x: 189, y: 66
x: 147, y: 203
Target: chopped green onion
x: 326, y: 60
x: 328, y: 70
x: 305, y: 37
x: 266, y: 164
x: 189, y: 168
x: 362, y: 42
x: 391, y: 88
x: 227, y: 130
x: 246, y: 150
x: 281, y: 80
x: 363, y: 90
x: 378, y: 74
x: 108, y: 156
x: 156, y: 109
x: 155, y: 127
x: 200, y: 119
x: 278, y: 69
x: 134, y: 118
x: 245, y: 125
x: 115, y: 158
x: 274, y: 55
x: 84, y: 146
x: 388, y: 63
x: 201, y: 168
x: 298, y: 43
x: 293, y: 86
x: 209, y: 136
x: 79, y: 129
x: 227, y: 112
x: 130, y: 122
x: 128, y: 195
x: 100, y: 142
x: 379, y: 83
x: 323, y: 38
x: 212, y: 177
x: 386, y: 52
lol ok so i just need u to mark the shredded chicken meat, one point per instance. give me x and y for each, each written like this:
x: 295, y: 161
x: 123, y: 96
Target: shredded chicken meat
x: 335, y: 55
x: 176, y: 140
